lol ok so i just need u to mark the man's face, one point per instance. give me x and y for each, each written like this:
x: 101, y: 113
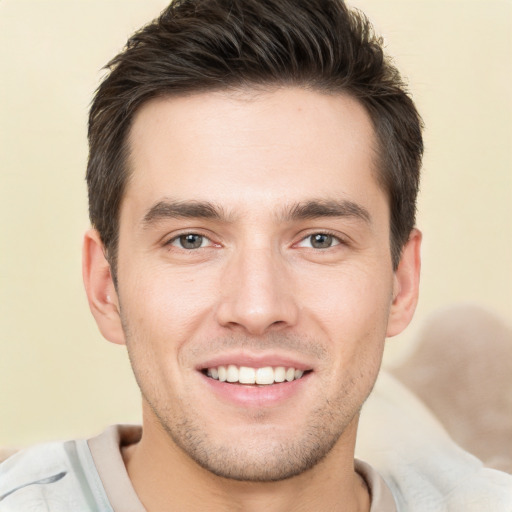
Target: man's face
x: 254, y: 247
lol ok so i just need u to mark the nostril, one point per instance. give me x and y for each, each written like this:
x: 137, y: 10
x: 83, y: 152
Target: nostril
x: 257, y: 309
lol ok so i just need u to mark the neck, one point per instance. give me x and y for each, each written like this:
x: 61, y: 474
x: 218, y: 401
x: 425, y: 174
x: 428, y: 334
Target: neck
x: 167, y: 479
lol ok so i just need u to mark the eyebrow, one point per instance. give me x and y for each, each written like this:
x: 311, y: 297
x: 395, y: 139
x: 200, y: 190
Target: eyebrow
x: 171, y: 209
x: 326, y: 208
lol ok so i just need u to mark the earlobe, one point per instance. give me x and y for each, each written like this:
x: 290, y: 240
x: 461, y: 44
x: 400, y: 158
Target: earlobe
x: 100, y: 289
x: 406, y: 285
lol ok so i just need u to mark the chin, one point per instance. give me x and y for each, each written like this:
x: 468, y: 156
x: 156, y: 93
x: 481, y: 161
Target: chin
x: 260, y: 453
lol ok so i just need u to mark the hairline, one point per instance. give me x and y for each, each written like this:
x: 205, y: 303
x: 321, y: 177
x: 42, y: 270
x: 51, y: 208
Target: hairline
x: 255, y: 89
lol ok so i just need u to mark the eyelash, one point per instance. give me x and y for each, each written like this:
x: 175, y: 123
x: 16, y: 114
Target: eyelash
x: 176, y: 240
x: 335, y: 238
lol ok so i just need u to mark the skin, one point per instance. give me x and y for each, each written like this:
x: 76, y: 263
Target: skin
x: 276, y: 167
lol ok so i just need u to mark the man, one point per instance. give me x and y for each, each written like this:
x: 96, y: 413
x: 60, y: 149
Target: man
x: 253, y: 173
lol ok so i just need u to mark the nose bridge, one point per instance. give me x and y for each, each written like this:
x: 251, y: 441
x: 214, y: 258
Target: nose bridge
x: 256, y: 295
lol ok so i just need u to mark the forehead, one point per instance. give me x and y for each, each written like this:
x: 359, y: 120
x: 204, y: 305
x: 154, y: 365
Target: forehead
x: 251, y: 148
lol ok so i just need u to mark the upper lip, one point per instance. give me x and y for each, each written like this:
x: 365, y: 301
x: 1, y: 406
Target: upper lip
x: 255, y: 361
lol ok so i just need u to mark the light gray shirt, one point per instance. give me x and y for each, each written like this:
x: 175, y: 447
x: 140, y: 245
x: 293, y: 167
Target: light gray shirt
x: 90, y: 476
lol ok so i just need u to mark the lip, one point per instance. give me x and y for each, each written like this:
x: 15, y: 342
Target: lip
x: 255, y: 396
x: 254, y: 361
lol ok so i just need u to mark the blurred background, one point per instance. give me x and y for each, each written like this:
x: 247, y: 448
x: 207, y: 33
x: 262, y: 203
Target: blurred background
x: 58, y: 377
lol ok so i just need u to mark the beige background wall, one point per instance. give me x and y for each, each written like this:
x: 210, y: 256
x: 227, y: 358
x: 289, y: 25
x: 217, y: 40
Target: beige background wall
x: 58, y: 377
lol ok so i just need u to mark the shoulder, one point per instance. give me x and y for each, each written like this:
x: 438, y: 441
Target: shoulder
x: 424, y: 468
x: 451, y: 486
x: 56, y: 476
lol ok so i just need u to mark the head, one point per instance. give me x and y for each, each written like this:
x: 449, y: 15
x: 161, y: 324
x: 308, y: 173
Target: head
x: 198, y: 46
x: 252, y: 183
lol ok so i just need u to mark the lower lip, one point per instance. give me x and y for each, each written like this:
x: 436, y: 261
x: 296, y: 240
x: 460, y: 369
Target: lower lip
x: 254, y: 395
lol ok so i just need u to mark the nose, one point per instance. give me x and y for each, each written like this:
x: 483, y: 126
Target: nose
x: 257, y: 293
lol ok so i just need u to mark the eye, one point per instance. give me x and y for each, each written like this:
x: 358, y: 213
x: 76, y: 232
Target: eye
x: 190, y: 241
x: 319, y: 241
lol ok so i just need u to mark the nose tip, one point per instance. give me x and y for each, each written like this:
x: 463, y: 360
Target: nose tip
x: 257, y: 297
x: 254, y: 320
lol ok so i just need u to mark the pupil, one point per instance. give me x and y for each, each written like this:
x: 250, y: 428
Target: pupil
x: 191, y: 241
x: 321, y: 241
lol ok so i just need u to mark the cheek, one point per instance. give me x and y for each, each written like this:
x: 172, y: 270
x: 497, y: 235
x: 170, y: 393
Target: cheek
x: 354, y: 302
x: 167, y: 304
x: 353, y: 315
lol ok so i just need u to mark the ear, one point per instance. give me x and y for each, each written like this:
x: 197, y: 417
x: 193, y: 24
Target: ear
x: 100, y: 289
x: 406, y: 285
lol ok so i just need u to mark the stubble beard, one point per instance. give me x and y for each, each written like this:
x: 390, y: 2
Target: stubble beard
x: 263, y: 457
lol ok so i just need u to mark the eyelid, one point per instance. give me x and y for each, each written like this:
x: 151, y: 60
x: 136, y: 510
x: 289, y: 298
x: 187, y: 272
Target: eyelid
x: 176, y: 236
x: 336, y: 236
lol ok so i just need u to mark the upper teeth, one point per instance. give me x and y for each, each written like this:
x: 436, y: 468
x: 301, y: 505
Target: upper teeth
x: 247, y: 375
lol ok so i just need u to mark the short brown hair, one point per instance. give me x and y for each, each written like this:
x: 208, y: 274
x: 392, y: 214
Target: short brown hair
x: 206, y: 45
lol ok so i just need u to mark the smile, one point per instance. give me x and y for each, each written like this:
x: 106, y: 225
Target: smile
x: 266, y: 375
